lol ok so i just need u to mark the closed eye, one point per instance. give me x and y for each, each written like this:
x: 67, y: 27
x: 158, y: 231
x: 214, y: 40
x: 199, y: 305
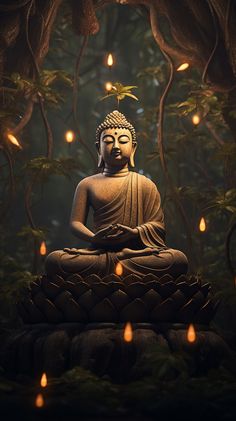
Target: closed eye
x: 124, y: 139
x: 108, y: 139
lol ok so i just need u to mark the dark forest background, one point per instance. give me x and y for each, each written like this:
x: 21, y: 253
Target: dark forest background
x: 38, y: 181
x: 53, y: 73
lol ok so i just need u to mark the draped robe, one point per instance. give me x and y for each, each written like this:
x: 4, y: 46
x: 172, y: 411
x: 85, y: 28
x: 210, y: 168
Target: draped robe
x: 137, y: 205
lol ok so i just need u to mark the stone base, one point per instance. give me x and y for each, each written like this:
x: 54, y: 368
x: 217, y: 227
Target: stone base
x: 100, y: 347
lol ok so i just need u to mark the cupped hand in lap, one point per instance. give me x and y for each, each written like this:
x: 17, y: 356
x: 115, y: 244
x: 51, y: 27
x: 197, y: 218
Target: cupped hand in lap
x: 114, y: 234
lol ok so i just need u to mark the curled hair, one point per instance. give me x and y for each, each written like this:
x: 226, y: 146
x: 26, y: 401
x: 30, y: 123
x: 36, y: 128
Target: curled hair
x: 115, y: 120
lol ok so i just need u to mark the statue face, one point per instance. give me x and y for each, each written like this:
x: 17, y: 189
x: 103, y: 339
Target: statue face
x: 116, y: 146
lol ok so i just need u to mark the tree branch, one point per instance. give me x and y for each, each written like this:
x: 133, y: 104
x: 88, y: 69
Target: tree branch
x: 75, y: 96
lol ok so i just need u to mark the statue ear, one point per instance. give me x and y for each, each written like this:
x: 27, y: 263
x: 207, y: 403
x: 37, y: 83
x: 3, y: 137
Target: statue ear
x: 100, y: 159
x: 131, y: 159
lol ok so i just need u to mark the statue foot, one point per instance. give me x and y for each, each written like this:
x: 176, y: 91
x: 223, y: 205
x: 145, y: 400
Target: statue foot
x: 127, y: 253
x: 84, y: 252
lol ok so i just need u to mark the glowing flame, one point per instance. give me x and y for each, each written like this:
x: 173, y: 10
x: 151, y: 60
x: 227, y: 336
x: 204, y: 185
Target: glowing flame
x: 44, y: 380
x: 108, y: 86
x: 119, y: 269
x: 69, y: 136
x: 43, y: 249
x: 182, y: 67
x: 39, y: 401
x: 13, y: 140
x: 191, y: 334
x: 202, y: 225
x: 128, y: 332
x: 110, y: 60
x: 196, y: 119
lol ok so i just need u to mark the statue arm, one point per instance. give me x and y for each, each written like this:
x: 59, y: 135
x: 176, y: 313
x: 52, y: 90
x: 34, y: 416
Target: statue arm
x: 79, y: 212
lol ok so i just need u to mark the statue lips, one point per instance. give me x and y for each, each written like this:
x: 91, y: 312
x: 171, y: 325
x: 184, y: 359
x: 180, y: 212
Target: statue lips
x: 116, y: 153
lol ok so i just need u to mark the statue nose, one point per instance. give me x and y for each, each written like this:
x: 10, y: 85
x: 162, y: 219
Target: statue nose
x: 116, y: 145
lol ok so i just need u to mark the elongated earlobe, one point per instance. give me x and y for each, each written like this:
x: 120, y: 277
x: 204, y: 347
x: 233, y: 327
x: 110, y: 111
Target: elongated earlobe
x: 100, y: 161
x: 131, y: 160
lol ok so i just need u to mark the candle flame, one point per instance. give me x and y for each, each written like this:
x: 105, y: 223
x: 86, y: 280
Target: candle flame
x: 202, y: 225
x: 43, y: 249
x: 69, y: 136
x: 44, y: 380
x: 182, y: 67
x: 13, y: 140
x: 191, y: 334
x: 108, y: 86
x: 39, y: 401
x: 119, y: 269
x: 128, y: 332
x: 110, y: 60
x: 196, y: 119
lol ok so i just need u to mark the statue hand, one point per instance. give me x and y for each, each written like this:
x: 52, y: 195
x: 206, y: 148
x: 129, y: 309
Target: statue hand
x: 102, y: 234
x: 122, y: 232
x: 112, y: 234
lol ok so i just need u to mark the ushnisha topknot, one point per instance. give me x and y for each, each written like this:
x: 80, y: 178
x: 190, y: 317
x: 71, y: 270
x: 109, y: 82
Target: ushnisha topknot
x: 115, y: 120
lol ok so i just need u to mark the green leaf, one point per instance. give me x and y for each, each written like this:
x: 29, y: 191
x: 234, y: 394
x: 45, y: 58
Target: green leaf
x: 120, y: 92
x: 131, y: 96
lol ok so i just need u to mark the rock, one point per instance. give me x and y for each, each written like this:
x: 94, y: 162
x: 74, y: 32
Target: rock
x: 55, y: 352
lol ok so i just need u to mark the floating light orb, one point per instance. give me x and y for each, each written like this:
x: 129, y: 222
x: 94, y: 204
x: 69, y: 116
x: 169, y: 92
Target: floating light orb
x: 128, y: 332
x: 69, y: 136
x: 182, y: 67
x: 191, y: 334
x: 39, y: 401
x: 43, y: 249
x: 108, y: 86
x: 13, y: 140
x: 110, y: 60
x: 118, y: 269
x: 202, y: 225
x: 44, y: 380
x: 196, y: 119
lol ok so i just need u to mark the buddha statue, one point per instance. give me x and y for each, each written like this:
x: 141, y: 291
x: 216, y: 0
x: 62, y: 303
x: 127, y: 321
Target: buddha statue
x: 127, y: 214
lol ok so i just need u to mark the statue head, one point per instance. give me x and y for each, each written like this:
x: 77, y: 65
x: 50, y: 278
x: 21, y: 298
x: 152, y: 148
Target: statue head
x: 115, y: 140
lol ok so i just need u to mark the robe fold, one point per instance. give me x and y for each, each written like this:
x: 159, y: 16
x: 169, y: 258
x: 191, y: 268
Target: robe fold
x: 136, y: 205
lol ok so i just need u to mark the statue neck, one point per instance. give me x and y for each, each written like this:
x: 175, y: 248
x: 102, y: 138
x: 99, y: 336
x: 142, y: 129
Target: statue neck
x: 111, y: 171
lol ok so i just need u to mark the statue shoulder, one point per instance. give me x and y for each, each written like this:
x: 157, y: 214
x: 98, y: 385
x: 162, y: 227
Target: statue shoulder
x: 146, y: 182
x: 88, y: 182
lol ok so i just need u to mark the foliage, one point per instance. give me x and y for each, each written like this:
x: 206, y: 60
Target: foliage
x: 120, y: 92
x: 78, y: 392
x: 48, y: 167
x: 14, y: 285
x: 41, y: 86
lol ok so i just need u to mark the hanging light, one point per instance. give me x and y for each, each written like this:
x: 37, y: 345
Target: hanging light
x: 182, y: 67
x: 191, y: 334
x: 69, y: 136
x: 108, y: 86
x: 196, y: 119
x: 119, y: 269
x: 110, y: 60
x: 39, y: 401
x: 202, y: 224
x: 13, y: 140
x: 128, y: 332
x: 43, y: 248
x: 44, y: 380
